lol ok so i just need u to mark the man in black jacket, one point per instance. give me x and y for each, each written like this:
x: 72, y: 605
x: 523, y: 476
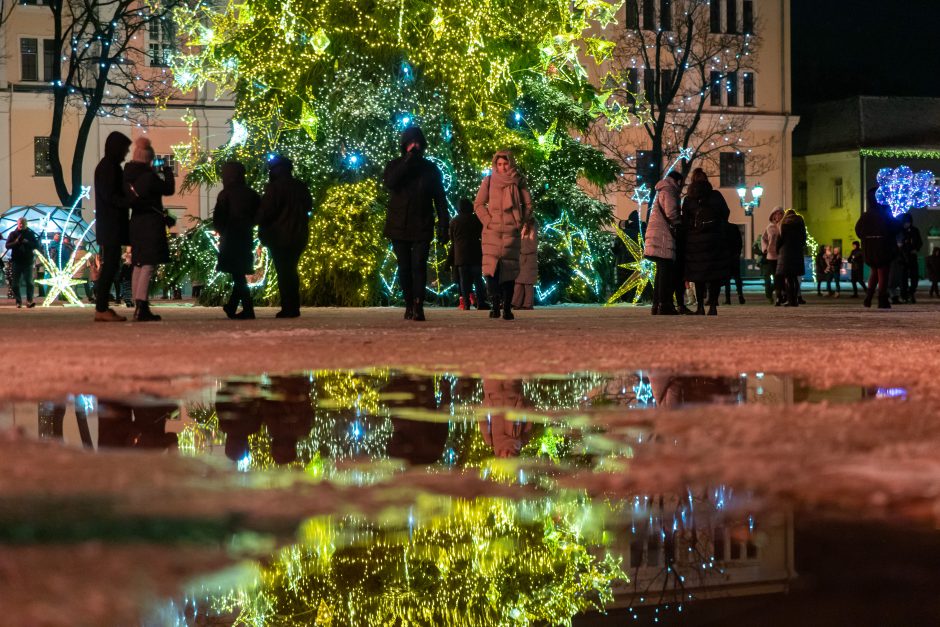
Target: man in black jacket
x: 416, y: 194
x: 112, y: 219
x: 283, y: 226
x: 910, y: 242
x: 22, y: 243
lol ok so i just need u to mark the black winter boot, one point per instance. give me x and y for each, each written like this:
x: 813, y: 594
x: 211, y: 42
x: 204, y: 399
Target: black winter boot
x: 143, y: 313
x: 419, y: 311
x: 247, y: 312
x: 409, y: 311
x: 496, y: 311
x: 507, y: 301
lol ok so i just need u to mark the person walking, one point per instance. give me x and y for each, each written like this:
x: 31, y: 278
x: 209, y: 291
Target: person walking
x: 857, y: 264
x: 933, y: 272
x: 660, y: 243
x: 823, y: 257
x: 834, y: 272
x: 466, y: 232
x: 22, y: 244
x: 910, y: 242
x: 283, y: 226
x: 504, y: 206
x: 146, y: 182
x: 878, y: 231
x: 734, y: 245
x: 523, y: 296
x: 706, y: 256
x: 416, y: 197
x: 770, y: 245
x: 234, y: 219
x: 112, y: 221
x: 790, y: 247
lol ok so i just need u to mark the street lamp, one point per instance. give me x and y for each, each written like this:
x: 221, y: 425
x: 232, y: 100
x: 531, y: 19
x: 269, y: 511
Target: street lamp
x: 749, y: 206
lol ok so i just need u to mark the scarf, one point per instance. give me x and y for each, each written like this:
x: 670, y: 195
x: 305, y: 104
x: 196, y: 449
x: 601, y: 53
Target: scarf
x: 504, y: 188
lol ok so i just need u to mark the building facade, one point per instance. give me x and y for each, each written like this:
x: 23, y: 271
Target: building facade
x: 758, y: 97
x: 841, y: 146
x: 26, y: 118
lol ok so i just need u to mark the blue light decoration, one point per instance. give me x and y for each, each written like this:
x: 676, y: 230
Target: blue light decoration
x: 406, y: 73
x: 902, y: 190
x: 353, y: 161
x: 543, y: 295
x: 447, y: 132
x: 403, y: 121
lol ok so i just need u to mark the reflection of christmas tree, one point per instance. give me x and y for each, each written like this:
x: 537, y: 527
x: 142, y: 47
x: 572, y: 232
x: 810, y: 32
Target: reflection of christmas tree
x: 332, y: 86
x: 456, y: 562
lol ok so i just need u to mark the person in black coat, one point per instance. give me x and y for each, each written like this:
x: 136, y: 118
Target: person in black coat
x: 146, y: 186
x: 234, y: 218
x: 857, y: 263
x: 910, y: 243
x: 466, y: 232
x: 22, y: 244
x: 791, y: 246
x: 284, y: 227
x: 111, y: 220
x: 416, y: 195
x: 706, y: 253
x: 878, y: 231
x: 735, y: 245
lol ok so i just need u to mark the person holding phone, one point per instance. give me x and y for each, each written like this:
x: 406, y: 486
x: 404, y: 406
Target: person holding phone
x: 146, y: 185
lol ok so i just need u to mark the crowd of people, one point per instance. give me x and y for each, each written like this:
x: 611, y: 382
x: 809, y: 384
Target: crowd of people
x: 494, y: 252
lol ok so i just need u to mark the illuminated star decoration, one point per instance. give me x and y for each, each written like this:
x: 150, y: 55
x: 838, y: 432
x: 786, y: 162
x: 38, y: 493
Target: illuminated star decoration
x: 902, y: 190
x: 61, y: 280
x: 239, y: 134
x: 644, y: 270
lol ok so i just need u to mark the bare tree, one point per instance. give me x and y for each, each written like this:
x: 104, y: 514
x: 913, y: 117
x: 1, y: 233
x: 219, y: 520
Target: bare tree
x: 685, y: 64
x: 105, y: 70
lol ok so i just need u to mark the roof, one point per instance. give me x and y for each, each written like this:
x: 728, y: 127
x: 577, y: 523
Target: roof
x: 868, y: 122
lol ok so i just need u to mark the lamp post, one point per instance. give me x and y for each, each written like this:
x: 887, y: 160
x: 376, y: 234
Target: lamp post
x: 750, y: 205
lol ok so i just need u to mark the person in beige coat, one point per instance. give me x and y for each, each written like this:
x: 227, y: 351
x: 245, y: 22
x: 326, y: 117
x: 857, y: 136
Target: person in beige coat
x: 504, y: 206
x: 524, y: 295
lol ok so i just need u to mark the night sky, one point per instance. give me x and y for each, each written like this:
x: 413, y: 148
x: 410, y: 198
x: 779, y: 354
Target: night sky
x: 845, y: 48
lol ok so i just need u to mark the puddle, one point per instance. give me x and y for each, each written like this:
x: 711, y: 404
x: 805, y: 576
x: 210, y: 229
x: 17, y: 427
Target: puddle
x: 708, y: 554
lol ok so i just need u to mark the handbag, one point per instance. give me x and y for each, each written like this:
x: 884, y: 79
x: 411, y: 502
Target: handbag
x: 673, y: 227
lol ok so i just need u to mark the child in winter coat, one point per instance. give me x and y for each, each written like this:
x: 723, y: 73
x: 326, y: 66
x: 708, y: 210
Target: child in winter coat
x: 524, y: 293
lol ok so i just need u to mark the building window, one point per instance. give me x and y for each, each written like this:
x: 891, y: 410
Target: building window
x: 747, y: 17
x: 732, y: 169
x: 170, y: 160
x: 162, y: 36
x: 666, y: 77
x: 42, y: 156
x: 649, y: 83
x: 29, y: 59
x: 665, y: 14
x: 837, y: 191
x: 647, y: 170
x: 649, y: 15
x: 633, y: 84
x: 632, y: 18
x: 716, y: 89
x: 749, y: 89
x: 34, y: 3
x: 731, y: 15
x: 802, y: 196
x: 731, y: 83
x: 715, y: 15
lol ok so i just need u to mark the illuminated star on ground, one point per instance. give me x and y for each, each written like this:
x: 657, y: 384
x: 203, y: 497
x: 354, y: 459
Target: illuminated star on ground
x: 644, y: 270
x: 62, y: 281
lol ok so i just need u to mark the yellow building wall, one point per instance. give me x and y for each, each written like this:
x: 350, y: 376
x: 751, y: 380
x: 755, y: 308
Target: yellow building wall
x: 825, y: 221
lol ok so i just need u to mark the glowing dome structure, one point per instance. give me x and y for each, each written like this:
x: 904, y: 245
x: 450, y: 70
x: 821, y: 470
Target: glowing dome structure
x: 47, y: 221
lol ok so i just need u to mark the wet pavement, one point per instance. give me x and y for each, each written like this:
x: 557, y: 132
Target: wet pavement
x: 436, y: 498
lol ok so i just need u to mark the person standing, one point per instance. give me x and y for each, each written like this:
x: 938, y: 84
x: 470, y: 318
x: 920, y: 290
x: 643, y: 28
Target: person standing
x: 770, y: 244
x: 22, y: 244
x: 910, y: 242
x: 284, y: 227
x: 857, y: 264
x: 147, y: 181
x: 416, y: 196
x: 823, y: 257
x: 706, y: 261
x: 112, y: 221
x: 234, y: 219
x: 933, y: 272
x: 466, y: 232
x: 523, y: 296
x: 734, y: 245
x: 660, y: 243
x: 504, y: 206
x: 834, y: 272
x: 878, y: 232
x: 790, y: 247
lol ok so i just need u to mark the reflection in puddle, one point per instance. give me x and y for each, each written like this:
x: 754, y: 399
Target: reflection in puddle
x: 449, y: 560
